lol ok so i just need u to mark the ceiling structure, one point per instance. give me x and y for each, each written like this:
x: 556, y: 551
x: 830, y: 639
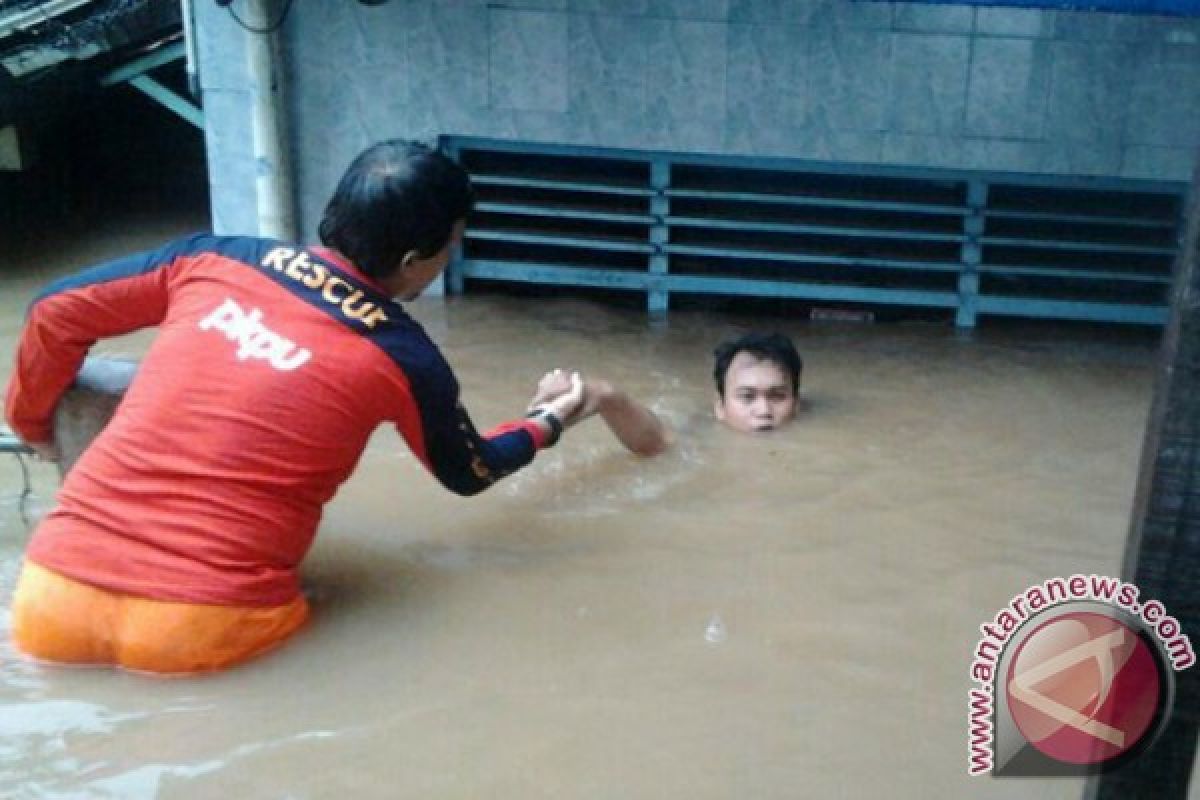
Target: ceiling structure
x: 55, y: 52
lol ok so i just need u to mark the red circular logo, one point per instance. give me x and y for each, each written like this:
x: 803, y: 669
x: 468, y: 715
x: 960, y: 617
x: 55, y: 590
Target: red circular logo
x: 1084, y: 688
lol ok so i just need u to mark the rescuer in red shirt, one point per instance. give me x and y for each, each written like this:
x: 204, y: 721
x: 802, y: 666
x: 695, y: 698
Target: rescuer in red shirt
x: 177, y: 536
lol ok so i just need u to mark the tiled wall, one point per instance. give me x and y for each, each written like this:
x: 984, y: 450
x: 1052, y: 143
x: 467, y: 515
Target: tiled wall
x: 849, y: 80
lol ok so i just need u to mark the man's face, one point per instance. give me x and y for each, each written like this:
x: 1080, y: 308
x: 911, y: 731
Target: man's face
x: 758, y: 395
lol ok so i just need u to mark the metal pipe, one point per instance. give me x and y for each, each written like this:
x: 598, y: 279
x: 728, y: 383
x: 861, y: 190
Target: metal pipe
x: 273, y: 179
x: 189, y: 46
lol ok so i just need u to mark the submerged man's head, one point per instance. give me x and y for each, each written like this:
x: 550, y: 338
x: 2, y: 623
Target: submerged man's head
x: 396, y: 214
x: 758, y: 381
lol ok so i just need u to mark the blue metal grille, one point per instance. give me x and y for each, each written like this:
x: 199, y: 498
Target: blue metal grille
x: 675, y: 224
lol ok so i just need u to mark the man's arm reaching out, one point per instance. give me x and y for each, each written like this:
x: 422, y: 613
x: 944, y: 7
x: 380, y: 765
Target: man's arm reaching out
x: 638, y: 428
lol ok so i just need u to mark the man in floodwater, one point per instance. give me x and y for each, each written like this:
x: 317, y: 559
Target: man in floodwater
x: 177, y: 537
x: 757, y: 380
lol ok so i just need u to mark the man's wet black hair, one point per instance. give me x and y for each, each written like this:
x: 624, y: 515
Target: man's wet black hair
x: 395, y: 197
x: 773, y: 347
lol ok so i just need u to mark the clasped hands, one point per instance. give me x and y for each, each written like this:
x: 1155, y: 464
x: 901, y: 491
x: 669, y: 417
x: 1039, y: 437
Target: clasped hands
x: 568, y: 396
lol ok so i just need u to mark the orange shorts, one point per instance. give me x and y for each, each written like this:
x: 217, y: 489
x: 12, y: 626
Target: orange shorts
x: 58, y: 619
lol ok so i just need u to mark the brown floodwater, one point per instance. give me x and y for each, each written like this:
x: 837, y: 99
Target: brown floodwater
x: 741, y: 617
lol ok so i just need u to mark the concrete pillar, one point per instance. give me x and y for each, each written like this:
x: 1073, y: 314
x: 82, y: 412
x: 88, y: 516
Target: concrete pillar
x: 245, y: 133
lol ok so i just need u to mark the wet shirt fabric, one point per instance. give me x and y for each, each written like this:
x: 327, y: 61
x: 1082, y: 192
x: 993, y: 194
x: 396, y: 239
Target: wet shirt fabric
x: 272, y: 366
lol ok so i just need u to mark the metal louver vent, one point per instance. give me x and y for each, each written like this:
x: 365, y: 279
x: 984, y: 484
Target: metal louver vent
x: 971, y: 243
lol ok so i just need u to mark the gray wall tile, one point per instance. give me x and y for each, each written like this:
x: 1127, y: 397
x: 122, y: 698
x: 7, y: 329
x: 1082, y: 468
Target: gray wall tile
x: 1008, y: 87
x: 741, y: 136
x: 844, y: 75
x: 444, y: 43
x: 1014, y: 22
x: 530, y: 5
x: 611, y: 113
x: 1069, y: 158
x: 540, y: 126
x: 358, y: 43
x: 827, y: 13
x: 635, y: 7
x: 667, y: 131
x: 607, y: 51
x: 1158, y: 163
x: 933, y: 151
x: 1004, y: 155
x: 756, y: 10
x: 1161, y: 110
x: 606, y: 130
x: 370, y: 35
x: 853, y: 146
x: 1089, y: 91
x: 928, y: 92
x: 686, y: 65
x: 498, y: 122
x: 765, y: 82
x: 358, y: 70
x: 429, y: 120
x: 852, y: 14
x: 933, y: 19
x: 688, y: 9
x: 435, y: 113
x: 359, y: 74
x: 1095, y: 26
x: 528, y: 60
x: 421, y: 121
x: 317, y: 79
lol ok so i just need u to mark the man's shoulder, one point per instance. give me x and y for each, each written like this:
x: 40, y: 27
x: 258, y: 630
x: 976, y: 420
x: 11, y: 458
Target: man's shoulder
x: 247, y: 249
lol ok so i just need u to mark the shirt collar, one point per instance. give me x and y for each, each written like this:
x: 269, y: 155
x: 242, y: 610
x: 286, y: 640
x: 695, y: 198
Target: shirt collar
x: 344, y: 264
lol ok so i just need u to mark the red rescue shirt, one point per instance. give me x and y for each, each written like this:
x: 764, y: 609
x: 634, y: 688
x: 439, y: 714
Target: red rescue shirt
x: 272, y: 366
